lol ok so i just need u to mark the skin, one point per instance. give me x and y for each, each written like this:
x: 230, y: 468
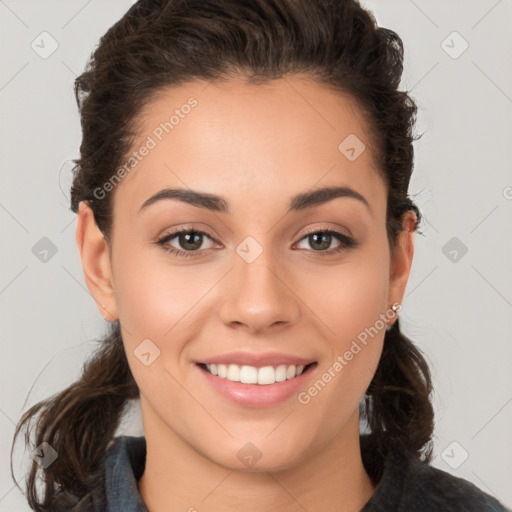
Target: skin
x: 256, y: 146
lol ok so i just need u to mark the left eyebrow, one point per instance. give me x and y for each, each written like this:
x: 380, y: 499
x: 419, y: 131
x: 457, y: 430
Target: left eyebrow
x: 322, y: 195
x: 217, y: 203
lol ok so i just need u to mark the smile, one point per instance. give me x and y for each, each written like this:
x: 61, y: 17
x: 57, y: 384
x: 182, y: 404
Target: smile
x: 252, y: 375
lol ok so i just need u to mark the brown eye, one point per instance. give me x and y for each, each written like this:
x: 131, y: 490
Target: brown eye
x: 189, y: 242
x: 321, y: 241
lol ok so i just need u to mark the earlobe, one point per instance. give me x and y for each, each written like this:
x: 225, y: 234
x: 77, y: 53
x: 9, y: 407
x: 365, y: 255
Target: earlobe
x: 401, y: 261
x: 94, y: 253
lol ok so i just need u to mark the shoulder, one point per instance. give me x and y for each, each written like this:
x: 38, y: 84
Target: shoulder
x: 405, y: 483
x: 431, y: 489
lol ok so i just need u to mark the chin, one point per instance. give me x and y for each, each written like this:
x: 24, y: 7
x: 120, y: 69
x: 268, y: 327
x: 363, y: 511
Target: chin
x: 260, y: 456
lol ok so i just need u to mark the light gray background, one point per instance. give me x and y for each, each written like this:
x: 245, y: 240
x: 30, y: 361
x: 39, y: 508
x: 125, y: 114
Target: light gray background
x: 458, y: 307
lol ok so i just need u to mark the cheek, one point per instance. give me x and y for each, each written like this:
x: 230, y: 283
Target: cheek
x: 159, y: 302
x: 352, y: 297
x: 151, y: 295
x: 154, y: 301
x: 351, y: 302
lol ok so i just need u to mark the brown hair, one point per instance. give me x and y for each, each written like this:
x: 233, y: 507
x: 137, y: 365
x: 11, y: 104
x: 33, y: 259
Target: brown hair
x: 164, y: 43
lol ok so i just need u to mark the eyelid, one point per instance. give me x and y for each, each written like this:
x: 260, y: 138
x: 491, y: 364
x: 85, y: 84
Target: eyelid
x: 316, y: 229
x: 184, y: 228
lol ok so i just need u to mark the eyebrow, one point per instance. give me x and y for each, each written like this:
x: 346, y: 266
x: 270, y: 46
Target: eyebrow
x: 217, y: 203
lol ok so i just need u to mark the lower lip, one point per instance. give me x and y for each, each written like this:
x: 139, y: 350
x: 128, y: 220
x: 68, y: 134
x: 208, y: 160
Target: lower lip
x: 257, y: 395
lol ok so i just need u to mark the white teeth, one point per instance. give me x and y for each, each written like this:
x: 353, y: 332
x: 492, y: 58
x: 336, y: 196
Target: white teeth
x: 252, y: 375
x: 233, y: 373
x: 281, y: 373
x: 249, y: 375
x: 267, y: 375
x: 222, y: 369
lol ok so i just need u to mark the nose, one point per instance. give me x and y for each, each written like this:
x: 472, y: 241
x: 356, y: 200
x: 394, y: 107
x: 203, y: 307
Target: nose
x: 258, y: 296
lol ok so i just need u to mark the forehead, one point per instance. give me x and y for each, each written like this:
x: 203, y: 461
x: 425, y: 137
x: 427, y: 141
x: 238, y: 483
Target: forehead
x: 264, y: 142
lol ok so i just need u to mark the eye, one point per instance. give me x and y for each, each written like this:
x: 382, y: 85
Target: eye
x: 190, y: 242
x: 322, y: 239
x: 189, y: 239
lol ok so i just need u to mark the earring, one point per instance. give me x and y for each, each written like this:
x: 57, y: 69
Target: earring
x: 395, y: 307
x: 104, y: 313
x: 107, y: 314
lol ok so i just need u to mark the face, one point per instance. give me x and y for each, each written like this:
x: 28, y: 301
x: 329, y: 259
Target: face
x: 259, y: 278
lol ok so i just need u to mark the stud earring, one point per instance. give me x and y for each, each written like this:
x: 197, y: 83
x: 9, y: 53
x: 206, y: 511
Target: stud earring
x: 396, y: 307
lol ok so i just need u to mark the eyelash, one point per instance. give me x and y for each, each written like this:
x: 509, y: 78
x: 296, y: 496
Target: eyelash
x: 345, y: 242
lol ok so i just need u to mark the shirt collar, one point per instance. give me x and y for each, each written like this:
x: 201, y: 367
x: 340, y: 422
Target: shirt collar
x: 126, y: 460
x: 124, y: 465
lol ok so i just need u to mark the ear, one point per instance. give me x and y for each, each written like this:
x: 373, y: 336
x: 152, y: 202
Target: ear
x: 401, y: 260
x: 95, y: 256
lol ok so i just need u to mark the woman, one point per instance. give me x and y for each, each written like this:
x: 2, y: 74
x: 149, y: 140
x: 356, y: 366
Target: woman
x: 244, y: 225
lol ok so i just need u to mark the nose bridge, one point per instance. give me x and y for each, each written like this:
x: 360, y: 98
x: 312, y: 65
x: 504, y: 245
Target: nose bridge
x: 255, y: 294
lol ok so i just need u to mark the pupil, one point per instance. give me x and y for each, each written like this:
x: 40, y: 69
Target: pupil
x: 325, y: 240
x: 186, y: 236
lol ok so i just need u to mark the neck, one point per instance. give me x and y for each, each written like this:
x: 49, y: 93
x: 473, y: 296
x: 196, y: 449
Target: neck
x: 178, y: 478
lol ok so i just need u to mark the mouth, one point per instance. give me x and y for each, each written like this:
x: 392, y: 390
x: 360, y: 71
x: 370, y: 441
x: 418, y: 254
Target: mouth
x: 260, y: 376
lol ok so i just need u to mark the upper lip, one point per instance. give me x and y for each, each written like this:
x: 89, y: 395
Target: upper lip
x: 257, y: 359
